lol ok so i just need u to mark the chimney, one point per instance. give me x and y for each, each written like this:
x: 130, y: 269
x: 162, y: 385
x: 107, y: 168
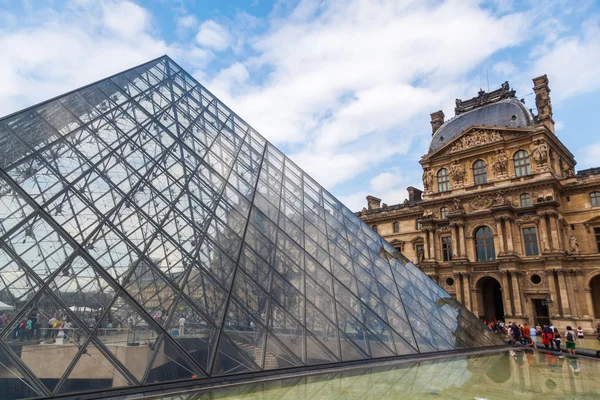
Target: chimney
x: 373, y: 202
x: 542, y: 102
x: 414, y: 194
x: 437, y: 119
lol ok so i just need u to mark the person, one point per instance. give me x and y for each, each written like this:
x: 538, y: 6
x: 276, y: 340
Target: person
x: 570, y: 339
x: 533, y: 336
x: 580, y: 336
x: 557, y: 339
x: 526, y: 335
x: 515, y: 334
x: 547, y: 337
x: 181, y: 325
x: 538, y: 329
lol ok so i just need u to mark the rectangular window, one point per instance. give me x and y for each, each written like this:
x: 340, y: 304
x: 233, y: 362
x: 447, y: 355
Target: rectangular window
x: 595, y: 199
x: 419, y: 226
x: 447, y: 248
x: 597, y: 232
x: 396, y: 227
x: 530, y: 240
x: 444, y: 212
x: 525, y: 200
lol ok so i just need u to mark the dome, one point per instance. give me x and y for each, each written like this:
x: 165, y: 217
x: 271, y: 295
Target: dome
x: 511, y: 113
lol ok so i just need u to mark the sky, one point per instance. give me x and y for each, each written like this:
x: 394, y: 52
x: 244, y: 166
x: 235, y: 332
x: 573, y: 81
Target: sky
x: 343, y: 87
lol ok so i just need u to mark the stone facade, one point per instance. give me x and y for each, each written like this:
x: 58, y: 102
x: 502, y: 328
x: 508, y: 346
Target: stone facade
x: 538, y: 259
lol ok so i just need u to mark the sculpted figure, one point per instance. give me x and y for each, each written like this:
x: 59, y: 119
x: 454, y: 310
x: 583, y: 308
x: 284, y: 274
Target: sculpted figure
x: 573, y: 244
x: 540, y: 153
x: 427, y: 179
x: 500, y: 164
x: 457, y: 205
x: 457, y: 171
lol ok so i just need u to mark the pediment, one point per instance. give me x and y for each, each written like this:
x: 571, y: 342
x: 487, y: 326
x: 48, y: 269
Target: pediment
x: 592, y: 221
x: 475, y: 136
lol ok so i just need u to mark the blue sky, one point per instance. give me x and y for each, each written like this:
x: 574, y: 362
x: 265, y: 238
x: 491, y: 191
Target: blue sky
x: 344, y: 87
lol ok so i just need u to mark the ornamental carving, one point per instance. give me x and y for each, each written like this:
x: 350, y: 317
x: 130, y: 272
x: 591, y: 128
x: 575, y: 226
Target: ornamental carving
x: 457, y: 172
x: 481, y: 202
x: 500, y: 164
x: 573, y: 244
x: 427, y: 180
x: 475, y: 138
x: 457, y: 206
x: 540, y: 153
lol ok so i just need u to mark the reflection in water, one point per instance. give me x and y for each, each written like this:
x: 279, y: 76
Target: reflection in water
x: 497, y: 376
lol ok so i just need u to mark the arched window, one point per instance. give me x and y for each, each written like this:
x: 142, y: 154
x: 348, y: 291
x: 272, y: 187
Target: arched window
x: 479, y: 172
x: 595, y: 199
x: 443, y: 180
x: 521, y: 162
x: 484, y: 244
x: 444, y: 212
x: 525, y: 200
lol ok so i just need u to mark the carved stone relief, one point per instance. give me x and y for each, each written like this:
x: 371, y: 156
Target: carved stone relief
x: 427, y: 180
x: 475, y: 138
x: 457, y: 172
x: 500, y: 165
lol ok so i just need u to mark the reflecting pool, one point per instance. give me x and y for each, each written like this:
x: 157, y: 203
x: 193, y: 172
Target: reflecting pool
x: 528, y: 375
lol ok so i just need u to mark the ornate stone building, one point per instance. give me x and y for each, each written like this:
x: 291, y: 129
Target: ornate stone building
x: 504, y: 223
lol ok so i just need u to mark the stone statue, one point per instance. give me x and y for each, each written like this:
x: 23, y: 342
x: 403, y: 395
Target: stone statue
x: 500, y: 164
x: 574, y: 244
x: 457, y: 171
x: 420, y: 255
x: 364, y: 211
x: 457, y: 205
x: 427, y: 179
x: 428, y: 213
x: 540, y: 153
x: 500, y: 200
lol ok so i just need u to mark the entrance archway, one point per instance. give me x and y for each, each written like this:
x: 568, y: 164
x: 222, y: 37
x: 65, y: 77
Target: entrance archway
x: 490, y: 299
x: 595, y: 287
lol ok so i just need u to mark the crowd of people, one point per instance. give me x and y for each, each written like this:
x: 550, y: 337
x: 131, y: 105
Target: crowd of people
x: 552, y: 338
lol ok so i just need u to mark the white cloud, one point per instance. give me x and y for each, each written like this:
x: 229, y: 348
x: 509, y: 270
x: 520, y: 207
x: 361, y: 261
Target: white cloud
x: 572, y: 62
x: 82, y: 43
x: 590, y: 156
x: 213, y: 35
x: 187, y: 22
x: 345, y: 80
x: 504, y: 68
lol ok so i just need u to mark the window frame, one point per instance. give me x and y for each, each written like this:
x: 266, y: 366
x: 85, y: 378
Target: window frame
x: 396, y: 226
x: 597, y: 235
x: 443, y: 180
x: 595, y: 198
x: 479, y: 172
x: 444, y: 212
x: 446, y: 248
x: 523, y: 199
x: 521, y: 163
x: 419, y: 226
x: 530, y: 246
x: 486, y: 244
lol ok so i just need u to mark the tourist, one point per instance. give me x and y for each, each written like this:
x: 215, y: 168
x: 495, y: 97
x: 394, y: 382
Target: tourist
x: 570, y: 339
x: 538, y: 329
x: 526, y: 335
x: 533, y: 336
x: 515, y: 334
x: 181, y: 325
x: 547, y: 337
x: 557, y: 339
x: 580, y: 336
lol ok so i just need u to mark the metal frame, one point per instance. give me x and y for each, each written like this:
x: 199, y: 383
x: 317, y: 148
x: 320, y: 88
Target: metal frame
x: 161, y: 96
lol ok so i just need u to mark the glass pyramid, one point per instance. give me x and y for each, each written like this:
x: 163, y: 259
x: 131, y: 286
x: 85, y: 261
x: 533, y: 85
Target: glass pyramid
x: 149, y: 234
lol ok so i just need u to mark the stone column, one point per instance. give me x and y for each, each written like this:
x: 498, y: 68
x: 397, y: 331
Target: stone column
x: 506, y: 294
x: 571, y: 284
x: 545, y: 245
x: 554, y: 231
x: 499, y: 238
x: 467, y: 290
x: 463, y: 243
x: 554, y: 310
x: 582, y: 295
x: 454, y: 242
x: 564, y: 295
x: 429, y: 240
x: 509, y: 235
x: 458, y: 283
x: 516, y: 287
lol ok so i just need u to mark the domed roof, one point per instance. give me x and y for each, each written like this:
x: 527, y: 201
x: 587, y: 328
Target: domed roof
x: 510, y: 112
